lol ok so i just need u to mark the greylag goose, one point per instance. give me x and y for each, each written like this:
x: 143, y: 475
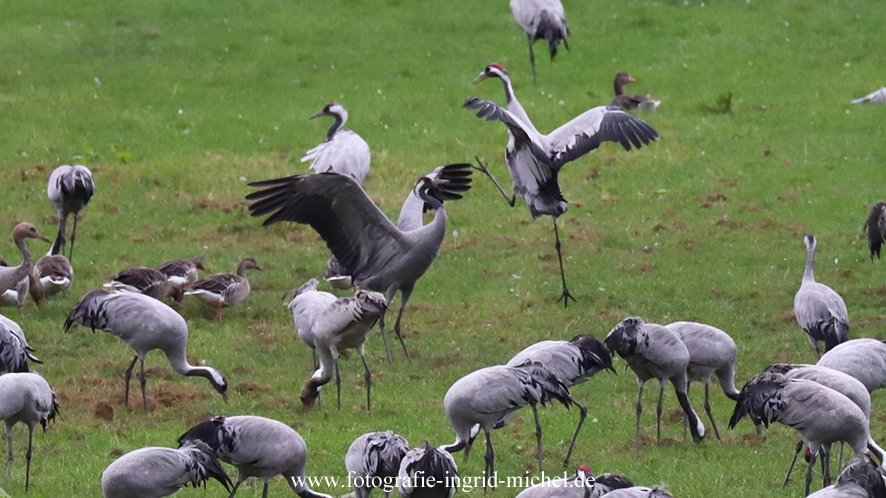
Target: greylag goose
x: 142, y: 280
x: 181, y: 273
x: 877, y: 97
x: 343, y: 151
x: 15, y: 353
x: 626, y: 102
x: 541, y: 20
x: 10, y: 276
x: 16, y: 295
x: 51, y: 274
x: 224, y: 289
x: 69, y: 190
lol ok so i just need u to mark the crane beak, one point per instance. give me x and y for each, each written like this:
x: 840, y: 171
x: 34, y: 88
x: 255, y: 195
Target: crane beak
x: 225, y: 397
x: 317, y: 115
x: 480, y: 78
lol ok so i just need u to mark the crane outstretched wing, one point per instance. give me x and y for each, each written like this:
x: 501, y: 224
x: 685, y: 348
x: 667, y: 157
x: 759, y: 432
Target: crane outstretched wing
x: 355, y: 230
x: 522, y: 136
x: 595, y: 126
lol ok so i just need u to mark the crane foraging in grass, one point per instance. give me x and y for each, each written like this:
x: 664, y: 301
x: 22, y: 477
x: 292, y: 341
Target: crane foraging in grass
x: 69, y: 190
x: 27, y: 398
x: 860, y: 479
x: 820, y: 311
x: 583, y: 484
x: 307, y: 304
x: 15, y: 353
x: 343, y: 152
x: 427, y: 472
x: 541, y: 20
x: 374, y: 458
x: 534, y: 160
x: 144, y: 324
x: 377, y: 255
x: 864, y: 359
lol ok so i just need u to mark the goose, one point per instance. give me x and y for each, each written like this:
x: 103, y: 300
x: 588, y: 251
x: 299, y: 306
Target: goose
x: 10, y: 276
x: 626, y: 102
x: 16, y: 295
x: 51, y: 274
x: 224, y: 289
x: 181, y: 273
x: 142, y: 280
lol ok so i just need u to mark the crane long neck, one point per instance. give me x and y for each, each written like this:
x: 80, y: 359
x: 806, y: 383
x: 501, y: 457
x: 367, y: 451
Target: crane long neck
x: 514, y: 105
x: 810, y: 261
x: 179, y: 362
x: 337, y: 123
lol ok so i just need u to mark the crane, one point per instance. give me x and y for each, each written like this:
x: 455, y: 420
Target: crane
x: 144, y: 324
x: 572, y: 362
x: 864, y: 359
x: 374, y: 458
x: 259, y: 447
x: 306, y: 305
x: 534, y: 160
x: 639, y: 492
x: 426, y: 472
x: 343, y: 151
x: 860, y: 479
x: 484, y: 399
x: 654, y: 351
x: 820, y: 414
x: 378, y: 255
x: 15, y: 353
x: 581, y: 485
x: 25, y: 397
x: 541, y: 20
x: 875, y: 226
x: 342, y: 325
x: 10, y: 276
x: 69, y: 190
x: 155, y: 472
x: 627, y: 102
x: 820, y: 311
x: 223, y: 290
x: 875, y: 97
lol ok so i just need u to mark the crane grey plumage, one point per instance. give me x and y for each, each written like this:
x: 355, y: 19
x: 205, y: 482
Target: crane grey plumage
x: 541, y: 20
x: 142, y: 280
x: 419, y: 466
x: 711, y: 351
x: 572, y: 362
x: 342, y: 325
x: 11, y: 276
x: 27, y: 398
x: 307, y: 304
x: 820, y: 311
x: 259, y: 447
x: 583, y: 484
x: 181, y: 273
x: 69, y: 190
x: 51, y: 274
x: 639, y: 492
x: 144, y: 324
x: 378, y: 255
x: 654, y: 351
x: 875, y: 226
x: 15, y: 353
x: 486, y: 398
x: 864, y: 359
x: 534, y: 160
x: 375, y: 457
x: 820, y: 414
x: 343, y: 151
x: 876, y: 97
x: 860, y: 479
x: 16, y: 295
x: 155, y: 472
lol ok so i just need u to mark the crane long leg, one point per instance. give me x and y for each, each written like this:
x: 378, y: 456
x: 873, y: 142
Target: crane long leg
x: 127, y: 376
x: 368, y: 380
x: 793, y: 462
x: 826, y: 465
x: 264, y: 492
x: 9, y: 459
x: 685, y: 416
x: 490, y: 461
x: 316, y: 366
x: 809, y: 468
x: 537, y: 434
x: 236, y: 486
x: 566, y: 296
x: 581, y: 419
x: 404, y: 298
x: 62, y: 221
x: 639, y: 412
x: 143, y: 381
x: 28, y: 454
x: 484, y: 168
x: 532, y: 59
x: 658, y: 411
x: 696, y: 428
x: 338, y: 384
x: 707, y: 408
x: 384, y: 337
x: 73, y: 237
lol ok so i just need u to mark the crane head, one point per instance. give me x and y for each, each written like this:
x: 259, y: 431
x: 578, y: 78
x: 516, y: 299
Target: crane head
x: 810, y: 242
x: 493, y: 70
x: 332, y: 109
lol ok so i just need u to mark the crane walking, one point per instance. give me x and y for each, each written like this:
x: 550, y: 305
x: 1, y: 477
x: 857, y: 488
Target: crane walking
x: 541, y: 20
x: 69, y: 190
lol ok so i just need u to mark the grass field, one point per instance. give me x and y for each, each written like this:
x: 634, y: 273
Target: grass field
x: 175, y: 106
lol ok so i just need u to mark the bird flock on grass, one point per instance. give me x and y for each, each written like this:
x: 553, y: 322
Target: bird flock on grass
x: 825, y: 403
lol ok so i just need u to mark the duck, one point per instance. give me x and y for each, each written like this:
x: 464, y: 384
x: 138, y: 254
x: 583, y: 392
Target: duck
x: 224, y: 289
x: 16, y: 295
x: 142, y: 280
x: 10, y: 276
x: 181, y: 273
x: 626, y: 102
x: 50, y: 275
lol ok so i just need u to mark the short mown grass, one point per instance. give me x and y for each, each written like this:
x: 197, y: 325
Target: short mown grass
x: 177, y: 105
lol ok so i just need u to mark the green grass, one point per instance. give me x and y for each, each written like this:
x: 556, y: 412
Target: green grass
x: 198, y: 98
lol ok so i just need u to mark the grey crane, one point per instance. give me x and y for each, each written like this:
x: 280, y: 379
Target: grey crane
x: 306, y: 305
x: 820, y: 311
x: 259, y: 447
x: 181, y: 273
x: 626, y: 102
x: 342, y: 325
x: 15, y: 353
x: 876, y: 97
x: 572, y: 362
x: 144, y: 324
x: 711, y: 351
x: 534, y: 160
x: 841, y: 382
x: 10, y: 276
x: 155, y: 472
x: 484, y: 399
x: 860, y: 479
x: 378, y: 255
x: 69, y: 190
x: 143, y: 280
x: 541, y: 20
x: 25, y: 397
x: 639, y: 492
x: 820, y: 414
x: 51, y: 274
x: 343, y: 152
x: 864, y: 359
x: 373, y: 461
x: 426, y: 472
x: 581, y: 485
x: 875, y: 226
x: 655, y: 352
x: 16, y: 295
